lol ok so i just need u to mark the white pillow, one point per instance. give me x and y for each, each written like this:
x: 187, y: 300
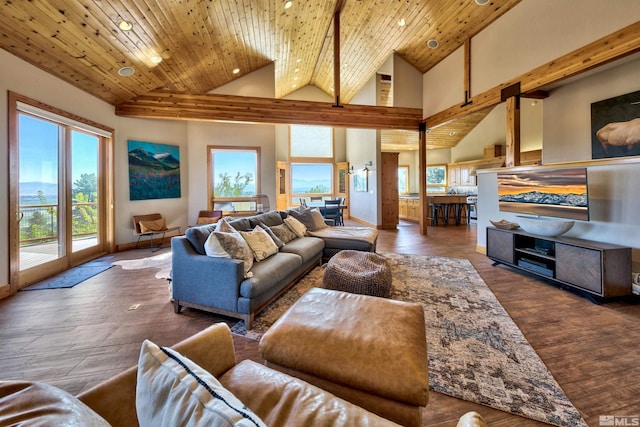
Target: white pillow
x: 230, y: 243
x: 172, y: 391
x: 261, y: 244
x: 296, y: 226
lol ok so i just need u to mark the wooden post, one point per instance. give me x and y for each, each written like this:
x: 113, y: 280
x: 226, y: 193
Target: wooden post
x: 513, y: 132
x: 422, y: 176
x: 467, y: 73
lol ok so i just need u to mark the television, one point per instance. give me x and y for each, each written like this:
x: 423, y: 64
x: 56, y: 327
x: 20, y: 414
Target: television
x: 560, y: 193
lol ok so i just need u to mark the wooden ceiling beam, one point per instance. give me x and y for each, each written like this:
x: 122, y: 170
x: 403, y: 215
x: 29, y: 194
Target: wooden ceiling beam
x: 213, y: 107
x: 617, y: 45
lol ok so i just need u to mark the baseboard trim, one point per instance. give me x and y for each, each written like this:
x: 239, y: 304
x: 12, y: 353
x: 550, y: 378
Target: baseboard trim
x: 481, y: 249
x: 5, y: 291
x: 363, y: 222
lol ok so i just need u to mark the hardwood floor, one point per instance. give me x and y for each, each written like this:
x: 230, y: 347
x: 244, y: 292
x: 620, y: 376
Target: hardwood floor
x: 74, y: 338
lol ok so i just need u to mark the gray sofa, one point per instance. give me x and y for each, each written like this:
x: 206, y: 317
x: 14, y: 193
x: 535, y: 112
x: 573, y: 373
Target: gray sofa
x: 219, y: 285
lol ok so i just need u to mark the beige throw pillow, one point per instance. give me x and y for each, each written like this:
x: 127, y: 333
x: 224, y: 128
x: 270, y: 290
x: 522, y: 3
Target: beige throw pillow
x: 296, y: 226
x: 151, y: 226
x: 172, y: 390
x: 261, y: 244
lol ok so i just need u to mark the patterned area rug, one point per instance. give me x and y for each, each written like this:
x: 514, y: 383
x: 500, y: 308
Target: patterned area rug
x: 476, y: 351
x: 161, y: 262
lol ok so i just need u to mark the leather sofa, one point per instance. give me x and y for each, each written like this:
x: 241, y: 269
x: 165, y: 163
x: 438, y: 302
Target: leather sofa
x: 277, y: 398
x: 219, y: 284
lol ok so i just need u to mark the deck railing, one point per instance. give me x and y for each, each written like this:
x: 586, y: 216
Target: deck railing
x: 39, y: 223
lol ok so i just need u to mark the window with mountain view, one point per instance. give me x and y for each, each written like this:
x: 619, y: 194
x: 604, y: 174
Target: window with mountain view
x: 311, y: 162
x: 234, y: 179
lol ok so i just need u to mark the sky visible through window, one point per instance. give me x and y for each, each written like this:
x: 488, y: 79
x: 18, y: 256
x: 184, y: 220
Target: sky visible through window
x: 38, y: 141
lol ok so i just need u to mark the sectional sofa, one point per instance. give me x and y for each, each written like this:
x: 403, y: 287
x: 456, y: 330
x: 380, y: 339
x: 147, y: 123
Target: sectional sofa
x: 225, y: 285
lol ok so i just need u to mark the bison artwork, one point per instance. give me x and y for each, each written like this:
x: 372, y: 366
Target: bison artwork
x: 623, y: 135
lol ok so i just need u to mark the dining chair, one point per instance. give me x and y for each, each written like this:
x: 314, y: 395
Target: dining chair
x: 303, y: 202
x: 315, y: 199
x: 332, y: 211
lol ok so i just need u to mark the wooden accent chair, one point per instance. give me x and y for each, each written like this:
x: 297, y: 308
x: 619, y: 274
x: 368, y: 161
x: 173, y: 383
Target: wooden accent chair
x: 150, y: 225
x: 208, y: 217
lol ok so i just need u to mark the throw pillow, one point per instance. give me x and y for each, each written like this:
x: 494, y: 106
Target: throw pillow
x: 197, y: 236
x: 172, y: 390
x: 295, y: 226
x: 311, y: 218
x: 230, y: 242
x: 279, y: 243
x: 284, y: 233
x: 151, y: 226
x: 260, y: 243
x: 318, y: 220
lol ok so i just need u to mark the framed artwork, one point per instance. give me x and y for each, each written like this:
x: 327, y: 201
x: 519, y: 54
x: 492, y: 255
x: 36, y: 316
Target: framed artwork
x: 154, y: 170
x: 360, y: 180
x: 615, y: 126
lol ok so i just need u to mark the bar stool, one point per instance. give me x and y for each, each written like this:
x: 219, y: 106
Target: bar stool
x: 461, y: 208
x: 436, y: 210
x: 450, y: 210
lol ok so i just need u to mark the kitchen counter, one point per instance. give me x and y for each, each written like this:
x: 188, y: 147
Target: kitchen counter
x: 409, y: 206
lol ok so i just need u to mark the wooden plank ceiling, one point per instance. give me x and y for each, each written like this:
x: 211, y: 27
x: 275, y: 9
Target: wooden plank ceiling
x: 444, y: 136
x: 202, y: 42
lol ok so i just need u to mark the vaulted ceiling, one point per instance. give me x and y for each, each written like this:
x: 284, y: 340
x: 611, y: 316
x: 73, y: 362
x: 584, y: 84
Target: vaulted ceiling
x: 202, y: 42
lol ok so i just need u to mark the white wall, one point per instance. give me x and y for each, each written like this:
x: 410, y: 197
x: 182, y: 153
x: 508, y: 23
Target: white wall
x: 361, y: 147
x: 437, y: 96
x: 260, y: 83
x: 407, y: 84
x: 536, y: 32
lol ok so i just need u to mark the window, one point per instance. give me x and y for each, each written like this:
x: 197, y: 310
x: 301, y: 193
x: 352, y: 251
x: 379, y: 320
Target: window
x: 437, y: 179
x: 311, y: 163
x: 234, y: 182
x: 403, y: 179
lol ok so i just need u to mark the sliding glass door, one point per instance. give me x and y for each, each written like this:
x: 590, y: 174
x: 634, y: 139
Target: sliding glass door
x: 57, y: 177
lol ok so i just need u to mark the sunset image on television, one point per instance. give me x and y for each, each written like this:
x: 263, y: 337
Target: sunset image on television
x: 548, y: 192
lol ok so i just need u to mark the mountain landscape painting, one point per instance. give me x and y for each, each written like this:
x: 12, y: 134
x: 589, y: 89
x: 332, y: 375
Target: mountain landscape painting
x: 154, y: 171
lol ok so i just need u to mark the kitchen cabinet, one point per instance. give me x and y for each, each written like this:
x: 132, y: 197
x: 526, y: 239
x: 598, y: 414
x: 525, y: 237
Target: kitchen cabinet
x: 461, y: 175
x: 409, y: 209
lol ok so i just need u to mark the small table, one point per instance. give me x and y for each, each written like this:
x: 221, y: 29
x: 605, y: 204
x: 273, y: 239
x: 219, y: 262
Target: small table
x: 358, y: 272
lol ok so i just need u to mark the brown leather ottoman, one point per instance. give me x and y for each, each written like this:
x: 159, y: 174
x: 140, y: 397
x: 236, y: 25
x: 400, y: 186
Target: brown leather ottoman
x: 358, y: 272
x: 369, y: 351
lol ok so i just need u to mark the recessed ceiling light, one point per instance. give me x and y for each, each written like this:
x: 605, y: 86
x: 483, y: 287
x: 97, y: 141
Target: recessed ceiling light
x: 453, y: 132
x: 288, y: 4
x: 295, y: 78
x: 299, y: 60
x: 433, y: 43
x: 125, y: 25
x: 126, y: 71
x: 428, y: 131
x: 402, y: 22
x: 296, y: 70
x: 156, y: 59
x: 236, y: 70
x: 481, y: 2
x: 294, y: 85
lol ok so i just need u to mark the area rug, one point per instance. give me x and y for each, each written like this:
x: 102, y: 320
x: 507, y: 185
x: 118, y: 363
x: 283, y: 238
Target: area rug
x: 160, y: 261
x: 476, y: 351
x: 73, y: 276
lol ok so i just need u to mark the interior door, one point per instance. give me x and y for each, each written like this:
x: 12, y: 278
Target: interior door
x: 389, y: 190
